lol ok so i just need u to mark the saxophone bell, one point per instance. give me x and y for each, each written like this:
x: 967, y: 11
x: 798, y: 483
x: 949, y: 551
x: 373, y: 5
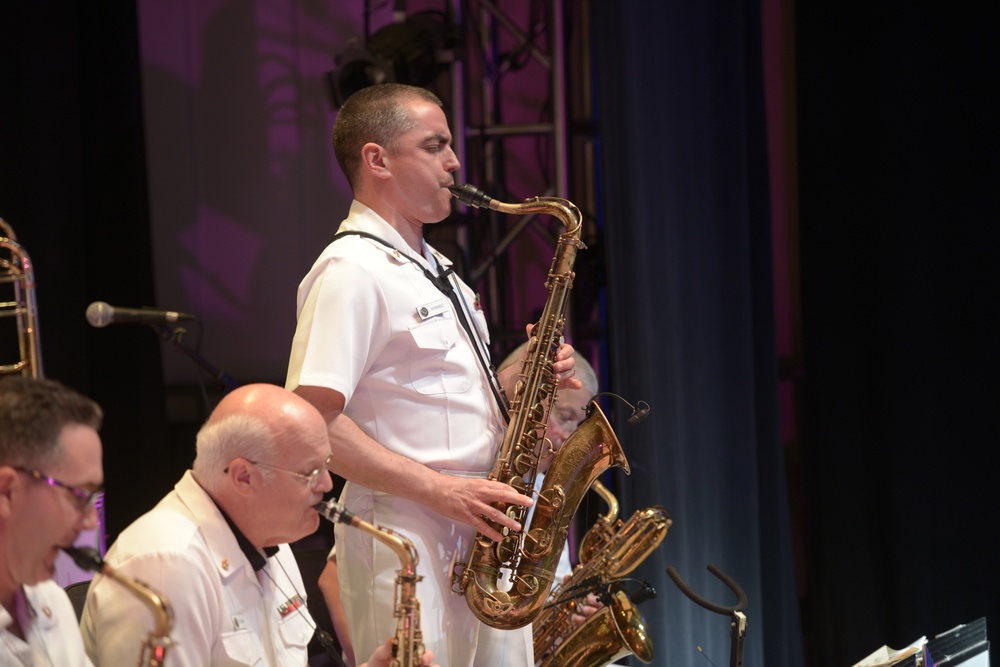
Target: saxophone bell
x: 609, y: 551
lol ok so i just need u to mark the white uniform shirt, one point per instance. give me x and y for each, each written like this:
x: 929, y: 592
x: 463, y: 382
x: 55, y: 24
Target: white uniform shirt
x: 374, y: 328
x: 224, y: 612
x: 49, y: 623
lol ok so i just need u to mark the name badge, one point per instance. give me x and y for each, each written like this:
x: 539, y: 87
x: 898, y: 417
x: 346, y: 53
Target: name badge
x: 431, y: 309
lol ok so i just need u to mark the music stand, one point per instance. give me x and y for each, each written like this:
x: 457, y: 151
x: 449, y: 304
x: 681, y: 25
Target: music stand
x: 738, y: 620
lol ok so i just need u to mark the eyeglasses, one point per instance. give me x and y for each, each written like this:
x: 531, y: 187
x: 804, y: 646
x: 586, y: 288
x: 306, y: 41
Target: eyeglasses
x: 83, y: 500
x: 311, y: 478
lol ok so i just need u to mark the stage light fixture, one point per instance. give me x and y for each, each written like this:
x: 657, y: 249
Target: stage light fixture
x: 412, y: 51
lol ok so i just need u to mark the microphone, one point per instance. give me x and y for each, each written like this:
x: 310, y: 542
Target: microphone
x: 644, y: 591
x: 100, y: 314
x: 638, y: 413
x: 637, y: 416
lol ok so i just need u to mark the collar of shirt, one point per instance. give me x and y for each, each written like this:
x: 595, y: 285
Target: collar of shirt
x: 363, y: 219
x: 253, y: 556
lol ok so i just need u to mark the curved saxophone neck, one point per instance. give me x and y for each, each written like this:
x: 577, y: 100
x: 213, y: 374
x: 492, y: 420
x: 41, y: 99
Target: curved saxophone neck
x: 563, y: 209
x: 609, y: 498
x: 163, y: 613
x: 401, y: 546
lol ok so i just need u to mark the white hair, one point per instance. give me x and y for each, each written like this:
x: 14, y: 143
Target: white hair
x: 581, y: 369
x: 231, y: 437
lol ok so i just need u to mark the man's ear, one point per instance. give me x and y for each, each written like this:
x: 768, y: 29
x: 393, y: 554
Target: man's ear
x: 375, y: 159
x: 243, y: 477
x: 8, y: 478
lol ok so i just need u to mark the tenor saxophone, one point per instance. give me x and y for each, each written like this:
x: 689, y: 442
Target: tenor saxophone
x: 610, y: 550
x: 532, y: 554
x: 157, y: 642
x: 408, y: 643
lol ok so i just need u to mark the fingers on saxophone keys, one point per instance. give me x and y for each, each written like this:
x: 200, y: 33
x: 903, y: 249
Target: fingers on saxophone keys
x: 496, y: 517
x: 495, y: 523
x: 486, y: 528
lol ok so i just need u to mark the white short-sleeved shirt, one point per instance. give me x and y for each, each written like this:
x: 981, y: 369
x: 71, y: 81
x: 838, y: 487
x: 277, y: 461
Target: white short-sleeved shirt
x: 225, y: 613
x: 49, y: 624
x: 373, y: 327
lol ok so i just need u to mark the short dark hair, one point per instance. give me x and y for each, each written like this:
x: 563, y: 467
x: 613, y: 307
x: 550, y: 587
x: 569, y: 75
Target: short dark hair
x: 374, y: 114
x: 33, y: 413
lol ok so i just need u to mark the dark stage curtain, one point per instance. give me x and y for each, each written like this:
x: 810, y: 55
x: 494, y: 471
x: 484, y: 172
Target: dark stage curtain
x: 686, y: 218
x: 73, y: 187
x: 900, y: 188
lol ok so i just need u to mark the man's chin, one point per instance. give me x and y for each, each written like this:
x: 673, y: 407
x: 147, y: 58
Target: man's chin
x: 46, y: 570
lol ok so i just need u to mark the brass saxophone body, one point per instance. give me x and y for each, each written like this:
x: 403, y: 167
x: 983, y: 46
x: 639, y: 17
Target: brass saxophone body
x: 408, y: 644
x: 610, y: 550
x: 157, y: 642
x: 532, y: 555
x: 613, y: 632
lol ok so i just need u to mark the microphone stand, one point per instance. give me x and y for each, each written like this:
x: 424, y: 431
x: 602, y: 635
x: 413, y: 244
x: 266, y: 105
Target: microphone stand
x: 175, y: 335
x: 738, y: 620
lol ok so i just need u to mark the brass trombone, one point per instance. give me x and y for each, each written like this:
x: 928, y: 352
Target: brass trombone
x: 17, y: 271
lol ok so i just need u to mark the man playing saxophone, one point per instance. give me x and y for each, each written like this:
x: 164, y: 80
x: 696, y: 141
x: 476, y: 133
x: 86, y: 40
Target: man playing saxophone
x: 563, y: 420
x: 50, y: 475
x: 392, y: 348
x: 217, y: 545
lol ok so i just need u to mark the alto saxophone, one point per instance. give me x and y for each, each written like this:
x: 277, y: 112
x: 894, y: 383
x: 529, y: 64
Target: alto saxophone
x: 532, y: 554
x: 408, y: 644
x: 157, y: 642
x: 610, y: 550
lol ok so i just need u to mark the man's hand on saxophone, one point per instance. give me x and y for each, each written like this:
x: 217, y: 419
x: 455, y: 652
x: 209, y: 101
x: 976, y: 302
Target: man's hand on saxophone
x: 564, y: 367
x: 471, y: 500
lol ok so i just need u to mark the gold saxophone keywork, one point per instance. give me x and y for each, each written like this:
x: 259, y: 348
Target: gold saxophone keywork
x: 408, y: 644
x: 531, y: 555
x: 610, y: 550
x: 157, y: 642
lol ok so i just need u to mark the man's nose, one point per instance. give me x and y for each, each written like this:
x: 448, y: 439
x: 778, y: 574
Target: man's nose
x: 325, y: 481
x: 452, y: 164
x: 557, y: 433
x: 89, y: 520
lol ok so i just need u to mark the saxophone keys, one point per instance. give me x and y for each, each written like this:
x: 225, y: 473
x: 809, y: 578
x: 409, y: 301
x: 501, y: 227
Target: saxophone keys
x: 528, y: 585
x: 506, y: 549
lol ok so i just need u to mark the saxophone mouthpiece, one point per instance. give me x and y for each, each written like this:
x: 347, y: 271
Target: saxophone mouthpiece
x: 470, y: 195
x: 334, y: 512
x: 85, y: 558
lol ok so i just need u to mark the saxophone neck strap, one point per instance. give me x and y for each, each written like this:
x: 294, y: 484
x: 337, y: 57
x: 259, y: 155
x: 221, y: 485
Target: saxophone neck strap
x: 444, y: 285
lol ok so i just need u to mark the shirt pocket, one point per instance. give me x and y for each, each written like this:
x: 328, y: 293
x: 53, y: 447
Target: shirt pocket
x: 242, y: 647
x: 295, y: 632
x: 439, y: 364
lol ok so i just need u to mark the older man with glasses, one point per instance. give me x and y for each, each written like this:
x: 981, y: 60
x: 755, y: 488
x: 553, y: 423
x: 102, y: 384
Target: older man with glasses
x: 217, y: 545
x: 50, y: 477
